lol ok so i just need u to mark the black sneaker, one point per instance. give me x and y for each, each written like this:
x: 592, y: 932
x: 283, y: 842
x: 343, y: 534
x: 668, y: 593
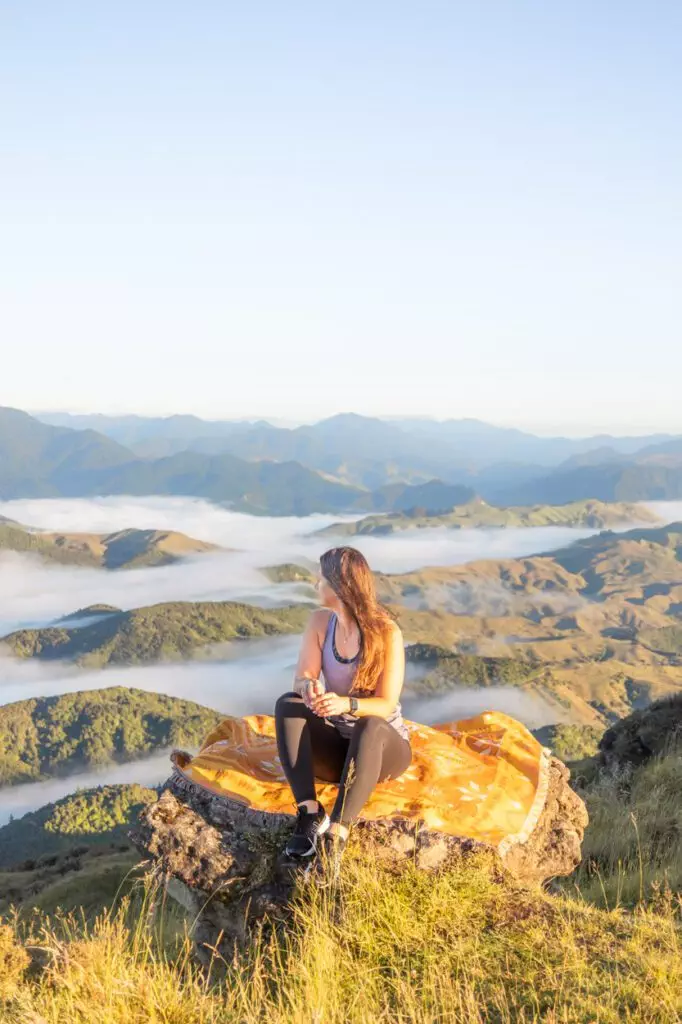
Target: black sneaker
x: 303, y: 841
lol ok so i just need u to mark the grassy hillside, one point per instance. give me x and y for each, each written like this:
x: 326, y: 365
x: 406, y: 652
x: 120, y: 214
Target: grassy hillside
x: 158, y: 632
x: 464, y: 946
x: 599, y: 620
x: 55, y: 736
x: 595, y: 515
x: 125, y: 549
x: 632, y: 850
x: 85, y: 880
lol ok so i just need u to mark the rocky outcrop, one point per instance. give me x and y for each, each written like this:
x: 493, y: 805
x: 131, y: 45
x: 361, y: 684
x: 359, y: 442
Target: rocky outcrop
x: 224, y: 862
x: 646, y: 732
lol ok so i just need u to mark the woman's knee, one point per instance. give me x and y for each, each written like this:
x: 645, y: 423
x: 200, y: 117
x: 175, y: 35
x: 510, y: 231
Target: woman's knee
x: 287, y: 701
x: 370, y: 726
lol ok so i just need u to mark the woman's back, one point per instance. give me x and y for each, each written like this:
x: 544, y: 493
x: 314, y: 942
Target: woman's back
x: 339, y: 674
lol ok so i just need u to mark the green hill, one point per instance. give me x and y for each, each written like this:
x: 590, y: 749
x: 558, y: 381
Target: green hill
x: 596, y: 515
x: 569, y: 741
x: 609, y: 562
x: 125, y: 549
x: 56, y: 736
x: 158, y: 632
x: 444, y: 669
x: 90, y: 817
x: 289, y: 572
x: 90, y: 611
x: 632, y: 786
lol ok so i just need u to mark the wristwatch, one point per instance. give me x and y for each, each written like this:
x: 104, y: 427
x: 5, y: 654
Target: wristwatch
x: 353, y: 705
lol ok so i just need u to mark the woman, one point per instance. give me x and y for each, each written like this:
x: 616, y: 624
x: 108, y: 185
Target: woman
x: 354, y: 733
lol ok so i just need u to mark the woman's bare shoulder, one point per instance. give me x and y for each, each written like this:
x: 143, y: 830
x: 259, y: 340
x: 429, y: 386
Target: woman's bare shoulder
x: 318, y: 620
x: 394, y: 631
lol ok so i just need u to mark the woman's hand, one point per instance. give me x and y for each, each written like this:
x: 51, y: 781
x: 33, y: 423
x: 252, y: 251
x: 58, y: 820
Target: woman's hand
x: 330, y: 704
x: 310, y: 689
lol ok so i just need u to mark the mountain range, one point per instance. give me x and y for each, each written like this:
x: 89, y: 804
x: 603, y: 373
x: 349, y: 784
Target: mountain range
x: 38, y: 460
x: 345, y: 464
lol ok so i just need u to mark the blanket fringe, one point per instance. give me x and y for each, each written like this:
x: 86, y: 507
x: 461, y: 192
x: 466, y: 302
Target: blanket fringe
x: 536, y: 809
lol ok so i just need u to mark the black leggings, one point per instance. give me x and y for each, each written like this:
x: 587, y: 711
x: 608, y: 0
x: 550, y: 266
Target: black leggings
x: 311, y: 747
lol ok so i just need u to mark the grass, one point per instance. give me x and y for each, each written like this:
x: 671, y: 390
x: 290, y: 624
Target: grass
x: 632, y: 850
x: 459, y: 947
x: 465, y: 946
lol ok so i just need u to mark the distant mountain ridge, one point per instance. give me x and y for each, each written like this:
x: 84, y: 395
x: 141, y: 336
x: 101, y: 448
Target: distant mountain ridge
x: 344, y: 464
x: 481, y: 442
x: 40, y: 461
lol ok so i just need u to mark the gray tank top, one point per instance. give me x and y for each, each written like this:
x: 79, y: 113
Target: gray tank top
x: 338, y: 675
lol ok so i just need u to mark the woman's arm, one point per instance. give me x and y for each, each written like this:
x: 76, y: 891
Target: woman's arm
x: 390, y: 684
x: 309, y: 663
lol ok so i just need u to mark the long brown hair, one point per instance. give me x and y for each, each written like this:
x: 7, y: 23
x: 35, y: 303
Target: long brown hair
x: 350, y: 577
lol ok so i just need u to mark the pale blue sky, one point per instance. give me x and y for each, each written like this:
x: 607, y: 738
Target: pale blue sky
x: 296, y: 209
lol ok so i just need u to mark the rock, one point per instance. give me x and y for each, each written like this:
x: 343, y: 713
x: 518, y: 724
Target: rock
x: 224, y: 861
x: 651, y: 730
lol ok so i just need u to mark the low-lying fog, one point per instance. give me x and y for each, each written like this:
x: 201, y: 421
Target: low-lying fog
x: 32, y: 593
x: 18, y: 800
x: 248, y: 681
x: 250, y: 674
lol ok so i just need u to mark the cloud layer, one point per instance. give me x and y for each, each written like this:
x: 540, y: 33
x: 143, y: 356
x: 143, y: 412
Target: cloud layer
x: 32, y: 593
x: 250, y: 675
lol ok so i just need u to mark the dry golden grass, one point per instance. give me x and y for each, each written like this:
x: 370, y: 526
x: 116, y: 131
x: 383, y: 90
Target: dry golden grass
x: 460, y: 947
x: 632, y: 850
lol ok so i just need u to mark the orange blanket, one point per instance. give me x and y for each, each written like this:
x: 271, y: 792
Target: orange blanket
x: 484, y: 777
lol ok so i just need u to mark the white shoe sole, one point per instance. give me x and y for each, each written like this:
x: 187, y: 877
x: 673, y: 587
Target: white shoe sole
x: 323, y: 826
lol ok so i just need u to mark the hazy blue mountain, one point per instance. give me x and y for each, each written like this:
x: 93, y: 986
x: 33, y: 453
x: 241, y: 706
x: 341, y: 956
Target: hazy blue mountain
x: 132, y: 430
x: 484, y: 442
x: 639, y: 479
x: 433, y: 495
x: 370, y: 452
x: 344, y: 463
x: 37, y: 460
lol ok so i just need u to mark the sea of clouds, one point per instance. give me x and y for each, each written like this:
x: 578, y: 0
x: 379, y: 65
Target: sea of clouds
x: 249, y: 675
x: 33, y: 594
